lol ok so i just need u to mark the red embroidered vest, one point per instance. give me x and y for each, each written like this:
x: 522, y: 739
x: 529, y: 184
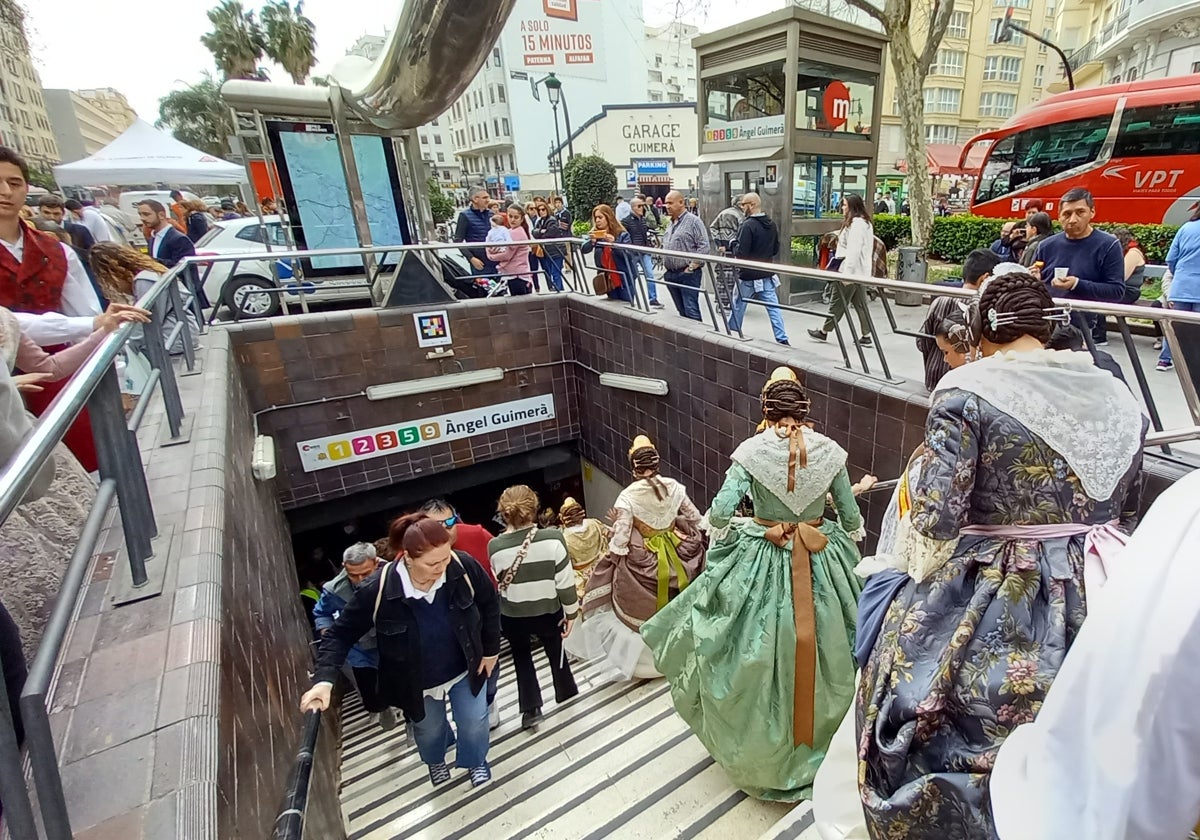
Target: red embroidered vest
x: 35, y: 284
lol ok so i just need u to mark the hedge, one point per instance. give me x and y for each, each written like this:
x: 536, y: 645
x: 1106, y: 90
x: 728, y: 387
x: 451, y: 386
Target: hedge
x: 956, y: 236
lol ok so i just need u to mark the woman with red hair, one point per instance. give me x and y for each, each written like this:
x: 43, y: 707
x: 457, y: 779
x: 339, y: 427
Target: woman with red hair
x: 616, y: 272
x: 437, y: 627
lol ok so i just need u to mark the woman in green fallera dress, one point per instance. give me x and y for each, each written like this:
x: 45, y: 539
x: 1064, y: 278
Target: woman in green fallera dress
x: 759, y: 650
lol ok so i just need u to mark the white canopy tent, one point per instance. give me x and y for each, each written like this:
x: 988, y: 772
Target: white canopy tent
x: 145, y: 155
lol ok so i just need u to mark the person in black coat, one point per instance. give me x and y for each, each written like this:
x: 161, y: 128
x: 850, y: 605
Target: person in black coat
x: 436, y: 616
x: 164, y: 241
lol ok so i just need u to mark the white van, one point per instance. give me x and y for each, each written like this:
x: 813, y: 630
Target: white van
x: 128, y: 203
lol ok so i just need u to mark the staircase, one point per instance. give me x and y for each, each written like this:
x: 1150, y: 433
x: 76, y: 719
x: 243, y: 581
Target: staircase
x: 614, y: 762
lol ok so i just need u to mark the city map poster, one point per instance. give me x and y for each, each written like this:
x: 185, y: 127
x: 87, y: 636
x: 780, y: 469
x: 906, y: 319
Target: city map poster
x: 314, y: 182
x: 561, y: 36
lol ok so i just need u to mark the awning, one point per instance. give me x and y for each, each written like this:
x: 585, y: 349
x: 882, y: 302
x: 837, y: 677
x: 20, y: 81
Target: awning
x: 764, y: 153
x: 943, y: 160
x: 654, y: 179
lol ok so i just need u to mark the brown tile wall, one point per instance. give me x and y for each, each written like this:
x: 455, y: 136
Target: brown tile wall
x: 312, y: 357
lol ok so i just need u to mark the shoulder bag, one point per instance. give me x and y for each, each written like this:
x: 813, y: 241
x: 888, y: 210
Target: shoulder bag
x: 507, y: 576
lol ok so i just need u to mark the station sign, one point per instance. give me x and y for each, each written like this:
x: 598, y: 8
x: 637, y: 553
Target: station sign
x: 763, y: 128
x: 351, y: 447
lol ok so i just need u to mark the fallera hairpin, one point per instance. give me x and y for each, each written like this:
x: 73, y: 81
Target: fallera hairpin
x: 999, y: 319
x: 1061, y: 314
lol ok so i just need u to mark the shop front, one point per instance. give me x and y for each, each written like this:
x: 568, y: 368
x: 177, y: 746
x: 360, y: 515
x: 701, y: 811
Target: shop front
x: 789, y: 109
x: 653, y: 146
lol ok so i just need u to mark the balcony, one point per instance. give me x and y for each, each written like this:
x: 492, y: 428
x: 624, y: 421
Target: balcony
x: 1141, y: 19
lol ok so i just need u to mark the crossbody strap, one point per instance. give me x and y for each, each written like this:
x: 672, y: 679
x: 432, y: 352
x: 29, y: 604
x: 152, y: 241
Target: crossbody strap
x: 383, y: 576
x: 507, y: 576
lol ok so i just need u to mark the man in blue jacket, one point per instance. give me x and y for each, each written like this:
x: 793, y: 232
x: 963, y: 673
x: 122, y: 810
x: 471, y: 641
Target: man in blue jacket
x: 359, y: 563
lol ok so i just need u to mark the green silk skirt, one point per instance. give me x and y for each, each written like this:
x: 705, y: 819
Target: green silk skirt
x: 727, y: 645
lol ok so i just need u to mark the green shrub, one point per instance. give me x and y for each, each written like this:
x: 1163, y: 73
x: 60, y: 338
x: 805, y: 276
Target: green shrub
x: 589, y: 180
x: 893, y: 230
x: 956, y: 236
x: 439, y: 203
x: 580, y: 227
x: 1154, y: 240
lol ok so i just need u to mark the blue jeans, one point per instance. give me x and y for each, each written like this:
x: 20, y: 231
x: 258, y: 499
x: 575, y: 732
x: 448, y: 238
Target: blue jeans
x: 687, y: 302
x: 1181, y: 306
x: 745, y: 292
x: 645, y: 264
x: 433, y: 735
x: 552, y: 264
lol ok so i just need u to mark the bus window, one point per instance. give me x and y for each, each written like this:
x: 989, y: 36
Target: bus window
x: 1154, y: 130
x: 1050, y: 150
x: 995, y: 179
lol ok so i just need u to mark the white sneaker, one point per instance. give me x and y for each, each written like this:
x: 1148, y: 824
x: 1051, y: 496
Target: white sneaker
x: 493, y: 715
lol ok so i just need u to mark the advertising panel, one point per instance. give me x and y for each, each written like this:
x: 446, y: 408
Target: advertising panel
x: 561, y: 36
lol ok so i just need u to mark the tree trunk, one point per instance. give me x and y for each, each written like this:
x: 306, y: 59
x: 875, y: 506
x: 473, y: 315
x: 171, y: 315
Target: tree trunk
x: 911, y: 99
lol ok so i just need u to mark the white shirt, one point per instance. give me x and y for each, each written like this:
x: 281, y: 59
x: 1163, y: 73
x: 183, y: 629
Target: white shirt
x: 94, y: 222
x: 158, y: 238
x: 79, y: 307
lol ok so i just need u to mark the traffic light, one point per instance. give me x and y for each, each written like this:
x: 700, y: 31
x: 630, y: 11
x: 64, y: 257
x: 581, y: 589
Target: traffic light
x: 1004, y: 31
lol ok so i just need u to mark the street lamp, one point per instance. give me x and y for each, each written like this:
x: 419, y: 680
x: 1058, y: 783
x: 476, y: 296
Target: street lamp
x: 554, y: 92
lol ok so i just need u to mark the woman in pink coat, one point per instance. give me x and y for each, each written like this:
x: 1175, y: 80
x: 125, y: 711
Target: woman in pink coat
x: 512, y: 261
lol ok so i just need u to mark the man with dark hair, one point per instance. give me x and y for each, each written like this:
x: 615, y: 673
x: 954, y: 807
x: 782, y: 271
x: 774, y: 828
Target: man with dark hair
x: 473, y: 225
x: 1083, y: 263
x: 54, y: 209
x: 90, y: 218
x: 977, y: 268
x: 40, y: 275
x: 164, y: 243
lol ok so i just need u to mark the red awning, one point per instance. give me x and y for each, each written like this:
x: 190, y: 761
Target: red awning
x: 943, y: 160
x: 661, y: 180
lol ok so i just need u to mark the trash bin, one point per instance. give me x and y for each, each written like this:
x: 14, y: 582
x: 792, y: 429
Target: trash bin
x: 911, y: 268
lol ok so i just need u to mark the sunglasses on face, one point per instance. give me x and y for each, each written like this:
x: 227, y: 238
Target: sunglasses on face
x: 451, y: 522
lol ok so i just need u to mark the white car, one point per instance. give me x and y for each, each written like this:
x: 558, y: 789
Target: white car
x: 230, y: 282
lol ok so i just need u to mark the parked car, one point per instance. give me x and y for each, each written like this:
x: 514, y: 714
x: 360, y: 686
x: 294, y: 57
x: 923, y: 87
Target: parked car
x: 229, y: 281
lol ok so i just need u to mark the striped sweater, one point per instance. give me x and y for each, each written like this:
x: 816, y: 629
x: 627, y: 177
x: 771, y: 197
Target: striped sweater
x: 545, y: 581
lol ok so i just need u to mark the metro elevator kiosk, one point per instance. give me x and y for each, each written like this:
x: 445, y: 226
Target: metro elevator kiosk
x: 789, y: 108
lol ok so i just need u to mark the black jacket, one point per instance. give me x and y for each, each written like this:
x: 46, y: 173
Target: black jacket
x: 175, y: 246
x: 474, y: 609
x: 638, y: 229
x: 757, y: 240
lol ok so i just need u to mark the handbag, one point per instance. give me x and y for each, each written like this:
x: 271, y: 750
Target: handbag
x: 601, y: 284
x: 539, y: 251
x: 506, y: 577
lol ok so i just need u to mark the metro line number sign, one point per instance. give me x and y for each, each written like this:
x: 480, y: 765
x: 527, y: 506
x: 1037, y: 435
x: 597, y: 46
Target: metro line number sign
x: 348, y: 448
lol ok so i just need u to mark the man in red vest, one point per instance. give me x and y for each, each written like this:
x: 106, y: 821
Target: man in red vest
x: 40, y: 275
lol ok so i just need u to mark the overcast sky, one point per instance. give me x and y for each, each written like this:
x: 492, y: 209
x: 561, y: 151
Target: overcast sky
x: 144, y: 51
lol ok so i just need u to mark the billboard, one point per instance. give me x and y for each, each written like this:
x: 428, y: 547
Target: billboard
x: 560, y: 36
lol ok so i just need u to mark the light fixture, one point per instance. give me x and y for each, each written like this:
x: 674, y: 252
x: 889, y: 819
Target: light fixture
x: 641, y: 384
x: 446, y: 382
x: 262, y: 462
x: 553, y: 89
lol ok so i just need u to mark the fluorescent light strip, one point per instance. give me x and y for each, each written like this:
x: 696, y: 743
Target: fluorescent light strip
x: 447, y: 382
x: 641, y: 384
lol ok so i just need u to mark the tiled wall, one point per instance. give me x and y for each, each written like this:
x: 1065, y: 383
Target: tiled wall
x: 304, y: 358
x: 563, y: 342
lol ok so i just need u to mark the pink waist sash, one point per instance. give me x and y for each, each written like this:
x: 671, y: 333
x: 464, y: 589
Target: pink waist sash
x: 1101, y: 542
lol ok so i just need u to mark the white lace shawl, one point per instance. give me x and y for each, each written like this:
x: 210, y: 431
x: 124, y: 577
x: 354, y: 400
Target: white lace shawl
x: 639, y: 499
x: 1083, y: 413
x: 765, y: 457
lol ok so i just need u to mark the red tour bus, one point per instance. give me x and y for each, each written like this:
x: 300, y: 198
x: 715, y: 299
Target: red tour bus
x: 1135, y: 146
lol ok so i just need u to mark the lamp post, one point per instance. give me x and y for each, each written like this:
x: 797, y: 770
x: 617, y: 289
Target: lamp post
x: 555, y: 160
x: 554, y: 91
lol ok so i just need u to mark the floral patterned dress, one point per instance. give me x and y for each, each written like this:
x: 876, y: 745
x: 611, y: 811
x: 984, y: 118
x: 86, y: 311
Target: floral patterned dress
x: 967, y: 652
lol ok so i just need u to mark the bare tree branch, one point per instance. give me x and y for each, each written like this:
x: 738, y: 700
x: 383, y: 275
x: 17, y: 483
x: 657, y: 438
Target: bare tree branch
x: 871, y: 9
x: 938, y: 23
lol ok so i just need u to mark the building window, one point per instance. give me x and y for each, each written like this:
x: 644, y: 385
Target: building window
x: 500, y: 94
x: 654, y: 75
x: 1047, y: 34
x: 511, y: 163
x: 658, y: 60
x: 496, y: 126
x: 1001, y: 68
x: 674, y: 97
x: 941, y: 133
x: 1039, y: 76
x: 1018, y: 38
x: 472, y: 134
x: 943, y: 100
x: 655, y: 96
x: 491, y: 94
x: 997, y: 104
x: 959, y: 23
x: 424, y: 140
x: 1016, y: 4
x: 434, y: 123
x: 1131, y: 74
x: 949, y: 63
x: 437, y: 139
x: 496, y: 56
x: 483, y: 130
x: 441, y: 158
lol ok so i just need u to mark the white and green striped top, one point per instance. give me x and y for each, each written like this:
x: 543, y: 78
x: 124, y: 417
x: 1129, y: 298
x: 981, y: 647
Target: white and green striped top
x: 545, y: 580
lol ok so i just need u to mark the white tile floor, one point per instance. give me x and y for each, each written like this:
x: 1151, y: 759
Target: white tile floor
x: 614, y: 762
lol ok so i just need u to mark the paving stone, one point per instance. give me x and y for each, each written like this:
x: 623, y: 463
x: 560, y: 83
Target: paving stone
x: 105, y: 722
x: 112, y: 668
x: 109, y: 783
x: 127, y: 826
x: 160, y: 822
x: 130, y: 621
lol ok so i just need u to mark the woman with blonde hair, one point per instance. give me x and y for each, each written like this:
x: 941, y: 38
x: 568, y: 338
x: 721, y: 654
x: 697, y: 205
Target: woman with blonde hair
x: 586, y: 538
x: 615, y: 275
x: 125, y: 275
x: 537, y: 598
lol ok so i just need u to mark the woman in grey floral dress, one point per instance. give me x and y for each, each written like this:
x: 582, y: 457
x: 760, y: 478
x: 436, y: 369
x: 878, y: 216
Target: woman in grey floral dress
x: 1030, y: 456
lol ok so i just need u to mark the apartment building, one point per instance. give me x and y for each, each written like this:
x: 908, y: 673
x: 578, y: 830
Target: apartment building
x: 670, y: 63
x: 24, y: 123
x: 976, y: 84
x: 1112, y: 41
x: 437, y: 143
x: 85, y: 121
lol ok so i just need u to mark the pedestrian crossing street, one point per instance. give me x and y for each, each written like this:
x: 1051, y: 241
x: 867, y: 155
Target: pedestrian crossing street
x: 614, y: 762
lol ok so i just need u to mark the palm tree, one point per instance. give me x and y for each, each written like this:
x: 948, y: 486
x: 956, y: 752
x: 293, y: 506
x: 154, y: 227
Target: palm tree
x: 290, y: 38
x: 236, y: 41
x: 198, y: 116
